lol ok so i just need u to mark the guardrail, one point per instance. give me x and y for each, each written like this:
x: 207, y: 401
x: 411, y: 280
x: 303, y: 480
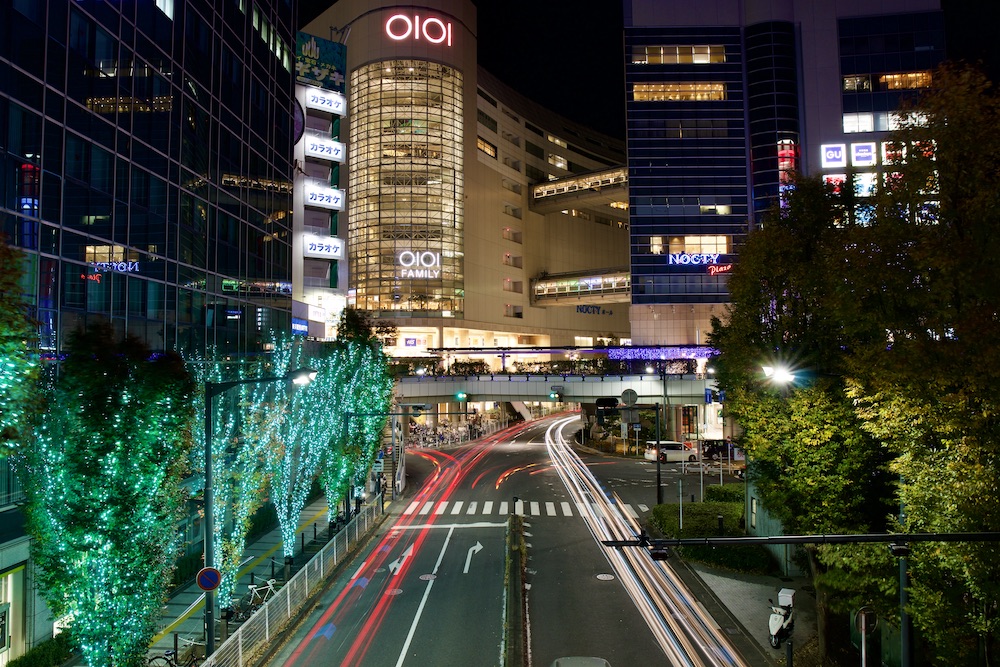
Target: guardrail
x: 252, y: 638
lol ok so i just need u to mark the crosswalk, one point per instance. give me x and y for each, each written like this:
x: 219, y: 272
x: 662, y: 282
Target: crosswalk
x: 504, y: 507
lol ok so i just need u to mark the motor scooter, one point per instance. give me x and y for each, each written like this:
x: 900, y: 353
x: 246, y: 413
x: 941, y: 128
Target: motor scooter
x: 780, y: 624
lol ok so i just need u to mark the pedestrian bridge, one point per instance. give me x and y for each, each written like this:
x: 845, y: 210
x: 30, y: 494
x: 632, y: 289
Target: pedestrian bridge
x: 651, y: 389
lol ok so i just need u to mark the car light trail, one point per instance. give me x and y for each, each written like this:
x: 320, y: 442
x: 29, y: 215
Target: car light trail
x: 685, y: 632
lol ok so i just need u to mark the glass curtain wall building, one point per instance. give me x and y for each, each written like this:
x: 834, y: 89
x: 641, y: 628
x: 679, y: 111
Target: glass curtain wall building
x: 145, y: 167
x: 725, y: 101
x: 145, y: 155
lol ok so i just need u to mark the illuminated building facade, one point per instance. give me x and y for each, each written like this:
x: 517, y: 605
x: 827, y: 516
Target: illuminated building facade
x: 443, y: 234
x: 145, y: 153
x: 724, y: 102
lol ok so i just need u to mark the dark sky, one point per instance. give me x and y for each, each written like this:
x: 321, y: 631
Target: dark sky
x: 564, y: 54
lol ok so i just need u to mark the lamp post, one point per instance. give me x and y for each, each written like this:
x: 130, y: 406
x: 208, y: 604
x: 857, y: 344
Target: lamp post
x: 301, y: 376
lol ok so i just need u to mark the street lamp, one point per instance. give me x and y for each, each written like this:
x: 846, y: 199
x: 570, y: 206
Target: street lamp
x: 299, y: 377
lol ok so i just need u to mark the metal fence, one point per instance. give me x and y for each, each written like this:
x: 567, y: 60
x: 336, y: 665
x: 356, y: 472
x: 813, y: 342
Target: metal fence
x: 251, y: 639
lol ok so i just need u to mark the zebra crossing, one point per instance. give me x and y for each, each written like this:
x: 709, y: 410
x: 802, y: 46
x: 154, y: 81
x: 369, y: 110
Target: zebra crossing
x: 503, y: 508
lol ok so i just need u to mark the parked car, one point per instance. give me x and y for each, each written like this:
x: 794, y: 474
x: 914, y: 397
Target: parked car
x: 714, y: 449
x: 671, y: 451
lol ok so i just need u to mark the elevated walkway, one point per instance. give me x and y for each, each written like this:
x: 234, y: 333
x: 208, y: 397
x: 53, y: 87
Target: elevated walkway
x: 582, y: 288
x: 596, y: 190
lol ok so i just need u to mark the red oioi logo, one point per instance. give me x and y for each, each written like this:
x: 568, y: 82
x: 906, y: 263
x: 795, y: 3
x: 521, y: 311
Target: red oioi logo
x: 400, y: 27
x: 716, y: 269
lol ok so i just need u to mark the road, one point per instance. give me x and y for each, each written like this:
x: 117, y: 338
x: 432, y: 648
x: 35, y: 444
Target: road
x: 429, y: 589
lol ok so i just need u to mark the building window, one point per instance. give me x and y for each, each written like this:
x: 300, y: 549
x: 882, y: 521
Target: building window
x: 694, y: 91
x: 512, y: 211
x: 515, y: 286
x: 857, y: 83
x: 753, y: 512
x: 904, y: 80
x: 513, y: 260
x: 486, y: 120
x: 859, y: 122
x: 699, y: 244
x: 557, y: 161
x: 557, y: 141
x: 486, y: 147
x: 656, y: 245
x: 513, y: 311
x: 511, y: 185
x: 511, y: 235
x: 679, y: 54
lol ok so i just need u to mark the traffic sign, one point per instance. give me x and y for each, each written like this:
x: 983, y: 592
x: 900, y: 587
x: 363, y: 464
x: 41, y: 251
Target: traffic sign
x: 209, y: 578
x: 629, y: 397
x: 378, y: 465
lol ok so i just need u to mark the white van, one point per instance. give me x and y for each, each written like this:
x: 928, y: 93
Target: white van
x: 671, y: 451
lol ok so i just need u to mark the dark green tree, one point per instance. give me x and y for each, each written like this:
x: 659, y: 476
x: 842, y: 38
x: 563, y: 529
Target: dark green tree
x: 102, y: 479
x: 19, y: 396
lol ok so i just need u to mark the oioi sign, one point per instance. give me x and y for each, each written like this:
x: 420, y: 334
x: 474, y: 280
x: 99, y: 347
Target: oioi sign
x: 419, y: 264
x: 400, y: 27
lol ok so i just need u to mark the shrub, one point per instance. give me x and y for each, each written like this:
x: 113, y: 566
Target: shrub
x: 728, y: 493
x: 51, y: 653
x: 702, y: 520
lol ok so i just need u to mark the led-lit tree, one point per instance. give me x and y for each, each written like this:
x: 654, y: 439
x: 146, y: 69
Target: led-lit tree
x: 18, y: 360
x: 102, y: 479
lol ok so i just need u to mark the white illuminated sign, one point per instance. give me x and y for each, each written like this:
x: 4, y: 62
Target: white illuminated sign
x: 326, y: 100
x: 419, y: 264
x: 693, y: 258
x: 431, y: 29
x: 863, y: 155
x: 325, y: 148
x: 833, y: 156
x: 321, y: 195
x: 322, y: 247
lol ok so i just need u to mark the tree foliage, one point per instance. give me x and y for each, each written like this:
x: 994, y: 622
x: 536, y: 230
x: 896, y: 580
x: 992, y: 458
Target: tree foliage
x: 18, y: 356
x: 887, y: 310
x: 102, y: 480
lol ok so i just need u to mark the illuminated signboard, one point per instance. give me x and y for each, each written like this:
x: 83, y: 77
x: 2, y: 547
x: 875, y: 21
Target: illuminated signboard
x: 300, y: 327
x: 716, y: 269
x: 321, y: 195
x: 836, y: 180
x: 320, y: 62
x: 322, y: 247
x: 326, y: 100
x: 834, y: 156
x: 864, y: 154
x: 685, y: 258
x: 400, y: 27
x: 324, y: 148
x: 419, y: 264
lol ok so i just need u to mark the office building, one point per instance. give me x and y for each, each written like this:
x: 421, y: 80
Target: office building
x: 146, y: 160
x: 724, y: 101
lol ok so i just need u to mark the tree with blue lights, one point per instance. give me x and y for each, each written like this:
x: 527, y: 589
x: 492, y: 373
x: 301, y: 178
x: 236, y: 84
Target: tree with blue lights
x: 102, y: 479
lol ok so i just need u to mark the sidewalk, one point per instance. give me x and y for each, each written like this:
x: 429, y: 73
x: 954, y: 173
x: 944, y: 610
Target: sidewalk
x: 183, y: 618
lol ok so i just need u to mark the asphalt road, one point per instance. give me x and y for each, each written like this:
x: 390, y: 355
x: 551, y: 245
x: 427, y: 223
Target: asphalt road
x: 429, y: 588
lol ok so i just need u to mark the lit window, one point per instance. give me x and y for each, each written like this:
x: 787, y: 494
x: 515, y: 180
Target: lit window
x: 557, y: 161
x: 679, y: 54
x: 695, y: 91
x: 857, y: 83
x: 656, y: 245
x: 167, y: 7
x: 486, y: 147
x: 905, y: 80
x: 556, y: 140
x: 699, y: 244
x: 859, y: 122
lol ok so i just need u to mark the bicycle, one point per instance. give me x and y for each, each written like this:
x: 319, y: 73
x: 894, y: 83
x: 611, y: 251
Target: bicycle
x: 169, y: 659
x: 253, y: 600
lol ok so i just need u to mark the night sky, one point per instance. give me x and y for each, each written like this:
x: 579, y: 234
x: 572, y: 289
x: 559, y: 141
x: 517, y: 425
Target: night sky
x: 564, y: 54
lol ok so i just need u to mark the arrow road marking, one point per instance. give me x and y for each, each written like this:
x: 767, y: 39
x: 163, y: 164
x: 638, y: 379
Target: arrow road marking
x: 395, y: 565
x: 474, y: 549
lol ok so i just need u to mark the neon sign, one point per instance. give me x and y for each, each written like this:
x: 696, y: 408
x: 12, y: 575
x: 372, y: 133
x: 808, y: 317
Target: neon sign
x: 684, y: 258
x: 432, y: 29
x: 419, y: 264
x: 716, y: 269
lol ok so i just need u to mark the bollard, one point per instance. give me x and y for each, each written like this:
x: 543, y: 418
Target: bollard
x: 272, y: 567
x: 720, y: 524
x: 303, y: 541
x: 314, y: 530
x: 788, y: 653
x: 251, y: 578
x: 288, y: 567
x: 692, y: 497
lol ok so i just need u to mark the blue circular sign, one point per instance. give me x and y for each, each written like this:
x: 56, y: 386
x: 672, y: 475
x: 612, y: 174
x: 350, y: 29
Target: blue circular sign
x: 209, y: 578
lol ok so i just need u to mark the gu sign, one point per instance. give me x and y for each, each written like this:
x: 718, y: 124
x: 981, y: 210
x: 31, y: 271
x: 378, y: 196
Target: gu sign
x: 400, y: 27
x: 833, y: 156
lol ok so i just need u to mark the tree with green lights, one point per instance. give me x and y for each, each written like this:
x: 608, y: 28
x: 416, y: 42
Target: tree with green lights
x: 888, y: 315
x: 18, y: 356
x: 102, y: 479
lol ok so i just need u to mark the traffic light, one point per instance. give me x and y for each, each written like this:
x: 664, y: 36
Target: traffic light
x: 461, y: 396
x: 555, y: 396
x: 415, y: 410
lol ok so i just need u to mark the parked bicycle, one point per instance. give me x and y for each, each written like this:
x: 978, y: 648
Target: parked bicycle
x: 255, y: 598
x: 170, y: 659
